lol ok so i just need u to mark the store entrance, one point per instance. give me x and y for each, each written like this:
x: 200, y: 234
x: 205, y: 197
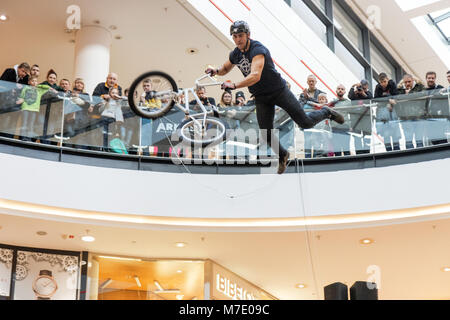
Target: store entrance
x: 116, y: 278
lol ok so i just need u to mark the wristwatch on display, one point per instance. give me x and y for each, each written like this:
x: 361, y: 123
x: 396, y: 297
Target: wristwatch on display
x: 44, y: 286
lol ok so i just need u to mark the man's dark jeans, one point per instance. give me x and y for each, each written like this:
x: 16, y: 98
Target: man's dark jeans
x: 285, y: 99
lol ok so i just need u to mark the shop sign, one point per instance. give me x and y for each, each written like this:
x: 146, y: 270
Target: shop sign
x: 231, y: 289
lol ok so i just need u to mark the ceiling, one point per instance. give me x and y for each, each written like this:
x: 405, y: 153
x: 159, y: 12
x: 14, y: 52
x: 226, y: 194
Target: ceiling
x: 397, y: 32
x: 155, y: 35
x: 409, y: 256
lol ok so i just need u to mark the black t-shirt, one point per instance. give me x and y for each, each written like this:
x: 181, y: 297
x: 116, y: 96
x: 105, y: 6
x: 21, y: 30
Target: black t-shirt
x: 271, y: 80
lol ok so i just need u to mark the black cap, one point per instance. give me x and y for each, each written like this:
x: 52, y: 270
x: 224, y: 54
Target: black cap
x: 240, y: 94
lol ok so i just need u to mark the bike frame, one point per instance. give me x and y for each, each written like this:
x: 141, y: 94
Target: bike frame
x: 186, y: 108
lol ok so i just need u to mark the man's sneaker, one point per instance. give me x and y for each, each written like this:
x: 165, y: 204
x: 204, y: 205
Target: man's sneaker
x: 335, y: 116
x: 282, y: 163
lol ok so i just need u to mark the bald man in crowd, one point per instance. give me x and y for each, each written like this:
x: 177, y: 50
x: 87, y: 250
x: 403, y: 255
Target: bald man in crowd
x: 311, y: 93
x: 103, y: 88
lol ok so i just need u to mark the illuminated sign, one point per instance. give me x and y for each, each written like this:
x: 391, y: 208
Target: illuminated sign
x: 231, y: 289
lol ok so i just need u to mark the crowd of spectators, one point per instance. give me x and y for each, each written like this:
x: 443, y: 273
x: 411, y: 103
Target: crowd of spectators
x: 111, y: 109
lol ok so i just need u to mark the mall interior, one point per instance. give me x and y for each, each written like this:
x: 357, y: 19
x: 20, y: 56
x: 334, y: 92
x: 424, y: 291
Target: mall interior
x: 100, y: 207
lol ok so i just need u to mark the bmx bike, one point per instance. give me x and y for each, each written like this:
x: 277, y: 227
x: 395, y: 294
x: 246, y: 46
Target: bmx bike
x: 153, y: 94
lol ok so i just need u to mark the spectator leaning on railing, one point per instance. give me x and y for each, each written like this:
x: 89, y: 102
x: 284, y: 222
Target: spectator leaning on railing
x: 410, y: 85
x: 411, y: 123
x: 201, y: 93
x: 431, y: 81
x: 52, y: 79
x: 30, y: 102
x: 360, y: 91
x: 448, y: 79
x: 341, y: 137
x: 103, y: 88
x: 226, y: 100
x: 35, y: 71
x: 387, y: 119
x: 147, y: 97
x: 311, y: 93
x: 240, y: 99
x: 64, y: 84
x: 385, y: 87
x: 18, y: 74
x: 78, y: 86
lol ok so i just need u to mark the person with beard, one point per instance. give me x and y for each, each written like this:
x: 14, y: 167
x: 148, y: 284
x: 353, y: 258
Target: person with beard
x: 431, y: 81
x: 268, y: 87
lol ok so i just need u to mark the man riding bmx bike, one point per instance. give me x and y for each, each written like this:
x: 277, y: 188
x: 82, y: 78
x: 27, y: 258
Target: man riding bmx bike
x: 268, y: 87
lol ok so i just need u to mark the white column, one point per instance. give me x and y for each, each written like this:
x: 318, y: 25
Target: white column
x: 92, y: 55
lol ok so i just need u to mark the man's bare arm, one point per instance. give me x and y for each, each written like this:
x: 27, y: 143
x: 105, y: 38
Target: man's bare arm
x: 255, y: 74
x: 225, y: 69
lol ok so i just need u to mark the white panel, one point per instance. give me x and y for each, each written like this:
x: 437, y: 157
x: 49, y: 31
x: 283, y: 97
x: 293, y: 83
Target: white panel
x: 209, y: 196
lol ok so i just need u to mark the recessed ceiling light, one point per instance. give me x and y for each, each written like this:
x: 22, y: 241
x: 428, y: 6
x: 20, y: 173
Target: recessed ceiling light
x: 180, y: 244
x: 446, y: 269
x: 366, y: 241
x: 300, y: 286
x: 41, y: 233
x: 3, y: 17
x: 87, y: 237
x: 120, y: 258
x: 180, y: 296
x: 179, y: 271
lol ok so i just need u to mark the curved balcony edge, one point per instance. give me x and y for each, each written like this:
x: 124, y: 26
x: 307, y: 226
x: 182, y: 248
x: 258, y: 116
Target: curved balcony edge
x: 168, y: 165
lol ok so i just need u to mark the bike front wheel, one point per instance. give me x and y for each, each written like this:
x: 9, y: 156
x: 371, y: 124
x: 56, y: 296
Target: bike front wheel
x: 152, y: 94
x: 204, y: 133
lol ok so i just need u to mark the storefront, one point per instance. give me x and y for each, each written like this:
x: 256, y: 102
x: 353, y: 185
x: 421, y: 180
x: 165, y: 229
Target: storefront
x: 44, y: 274
x: 40, y: 274
x: 120, y: 278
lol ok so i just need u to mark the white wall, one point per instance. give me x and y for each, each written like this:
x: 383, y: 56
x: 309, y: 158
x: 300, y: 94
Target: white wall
x: 285, y: 34
x: 223, y: 196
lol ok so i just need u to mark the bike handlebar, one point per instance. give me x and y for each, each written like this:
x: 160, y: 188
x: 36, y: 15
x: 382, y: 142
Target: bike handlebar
x: 213, y: 82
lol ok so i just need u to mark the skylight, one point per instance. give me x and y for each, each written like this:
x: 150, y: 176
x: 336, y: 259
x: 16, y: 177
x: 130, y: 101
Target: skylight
x: 441, y: 20
x: 407, y: 5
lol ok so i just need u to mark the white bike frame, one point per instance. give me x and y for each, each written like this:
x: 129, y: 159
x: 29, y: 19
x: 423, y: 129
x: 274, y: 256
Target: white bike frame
x: 186, y: 109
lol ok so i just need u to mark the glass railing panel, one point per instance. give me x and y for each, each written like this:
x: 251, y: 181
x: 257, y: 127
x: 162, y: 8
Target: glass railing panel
x: 411, y: 121
x: 244, y: 143
x: 158, y: 136
x: 30, y: 113
x: 95, y: 124
x: 437, y: 120
x: 330, y: 139
x: 86, y: 122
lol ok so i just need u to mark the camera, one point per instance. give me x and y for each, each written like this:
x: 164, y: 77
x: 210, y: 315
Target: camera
x: 360, y: 88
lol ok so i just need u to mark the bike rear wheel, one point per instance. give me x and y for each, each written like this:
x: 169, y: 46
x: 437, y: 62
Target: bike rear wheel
x: 196, y: 133
x: 152, y: 94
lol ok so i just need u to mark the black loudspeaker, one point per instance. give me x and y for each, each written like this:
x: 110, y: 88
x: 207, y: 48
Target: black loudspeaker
x: 362, y: 290
x: 336, y: 291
